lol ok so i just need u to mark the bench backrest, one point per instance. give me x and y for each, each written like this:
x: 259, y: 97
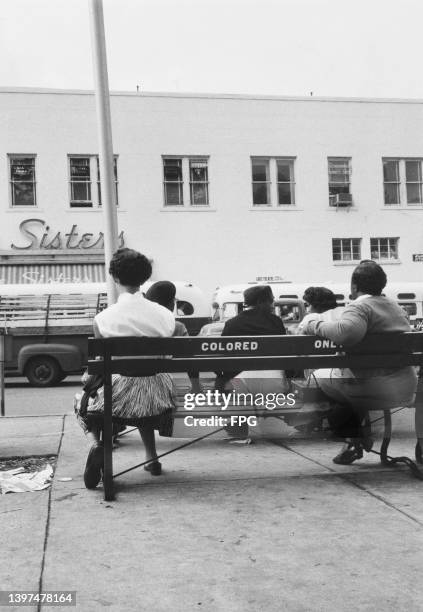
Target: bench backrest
x: 133, y: 356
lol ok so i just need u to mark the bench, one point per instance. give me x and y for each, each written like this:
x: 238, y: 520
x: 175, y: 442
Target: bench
x: 147, y: 356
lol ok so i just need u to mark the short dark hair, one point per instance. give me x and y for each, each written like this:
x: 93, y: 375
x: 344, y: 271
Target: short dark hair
x: 321, y: 298
x: 130, y: 268
x: 260, y: 294
x: 162, y: 292
x: 369, y: 277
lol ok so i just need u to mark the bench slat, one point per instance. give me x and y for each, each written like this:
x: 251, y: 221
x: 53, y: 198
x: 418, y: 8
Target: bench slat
x: 134, y: 366
x: 248, y: 345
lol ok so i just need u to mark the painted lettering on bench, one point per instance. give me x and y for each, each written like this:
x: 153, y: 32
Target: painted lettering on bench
x: 324, y: 344
x: 217, y: 347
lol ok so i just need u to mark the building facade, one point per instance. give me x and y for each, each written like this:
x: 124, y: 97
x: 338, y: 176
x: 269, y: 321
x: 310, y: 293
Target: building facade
x: 216, y: 189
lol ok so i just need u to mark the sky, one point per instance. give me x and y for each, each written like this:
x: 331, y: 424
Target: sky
x: 355, y: 48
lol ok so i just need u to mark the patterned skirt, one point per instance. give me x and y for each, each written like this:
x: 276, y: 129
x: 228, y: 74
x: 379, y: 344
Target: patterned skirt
x: 133, y: 398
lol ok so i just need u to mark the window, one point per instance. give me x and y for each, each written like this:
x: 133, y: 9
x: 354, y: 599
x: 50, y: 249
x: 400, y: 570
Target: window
x: 84, y: 170
x: 22, y: 180
x: 402, y: 182
x: 339, y: 169
x: 189, y: 172
x: 384, y: 248
x: 273, y: 181
x: 346, y: 249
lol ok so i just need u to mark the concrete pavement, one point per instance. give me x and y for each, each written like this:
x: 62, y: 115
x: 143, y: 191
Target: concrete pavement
x: 272, y: 526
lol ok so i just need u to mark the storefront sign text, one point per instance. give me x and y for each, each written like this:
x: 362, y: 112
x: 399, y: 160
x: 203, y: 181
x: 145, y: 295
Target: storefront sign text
x: 40, y: 236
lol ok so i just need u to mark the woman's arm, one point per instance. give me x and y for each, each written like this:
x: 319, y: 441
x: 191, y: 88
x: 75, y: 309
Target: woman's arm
x: 349, y: 329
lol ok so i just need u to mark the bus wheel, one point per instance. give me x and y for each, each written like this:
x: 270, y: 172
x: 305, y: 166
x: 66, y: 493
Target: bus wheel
x: 43, y: 371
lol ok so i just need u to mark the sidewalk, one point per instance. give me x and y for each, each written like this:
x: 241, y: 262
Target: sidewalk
x: 226, y: 528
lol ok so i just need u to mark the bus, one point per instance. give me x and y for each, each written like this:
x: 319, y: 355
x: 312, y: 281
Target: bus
x: 409, y: 295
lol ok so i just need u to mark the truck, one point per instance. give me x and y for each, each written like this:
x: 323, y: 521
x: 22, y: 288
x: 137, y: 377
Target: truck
x: 46, y: 327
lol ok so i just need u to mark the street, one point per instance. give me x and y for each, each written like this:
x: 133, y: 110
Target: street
x: 23, y: 400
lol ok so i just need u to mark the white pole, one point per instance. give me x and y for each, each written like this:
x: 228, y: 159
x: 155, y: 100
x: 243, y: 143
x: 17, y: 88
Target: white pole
x: 107, y: 181
x: 2, y: 360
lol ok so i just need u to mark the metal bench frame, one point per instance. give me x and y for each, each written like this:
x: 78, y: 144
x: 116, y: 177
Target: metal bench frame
x: 147, y: 356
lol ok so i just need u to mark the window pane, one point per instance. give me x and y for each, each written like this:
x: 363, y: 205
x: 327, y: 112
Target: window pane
x: 80, y: 168
x: 356, y: 249
x: 336, y: 249
x: 172, y: 170
x: 173, y: 193
x: 390, y: 170
x: 260, y: 171
x: 413, y: 171
x: 199, y: 193
x: 23, y: 169
x: 260, y: 193
x: 198, y: 171
x: 391, y: 191
x: 23, y: 194
x: 284, y: 171
x: 339, y: 171
x: 80, y: 191
x: 414, y: 193
x: 284, y: 193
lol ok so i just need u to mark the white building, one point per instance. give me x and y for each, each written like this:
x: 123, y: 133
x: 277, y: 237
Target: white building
x: 215, y: 189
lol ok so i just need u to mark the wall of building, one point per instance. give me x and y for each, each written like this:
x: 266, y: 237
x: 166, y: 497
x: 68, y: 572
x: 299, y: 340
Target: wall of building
x: 229, y: 241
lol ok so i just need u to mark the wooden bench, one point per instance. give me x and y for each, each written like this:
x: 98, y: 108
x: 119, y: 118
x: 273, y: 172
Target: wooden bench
x: 147, y: 356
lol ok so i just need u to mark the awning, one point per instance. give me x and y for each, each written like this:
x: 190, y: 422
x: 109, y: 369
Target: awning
x: 50, y: 273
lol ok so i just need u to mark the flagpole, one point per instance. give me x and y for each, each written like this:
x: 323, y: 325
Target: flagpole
x: 104, y: 126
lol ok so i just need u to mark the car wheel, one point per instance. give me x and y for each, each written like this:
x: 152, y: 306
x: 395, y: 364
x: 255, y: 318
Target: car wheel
x: 43, y: 371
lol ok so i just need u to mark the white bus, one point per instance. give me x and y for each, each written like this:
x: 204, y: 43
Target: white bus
x: 409, y: 295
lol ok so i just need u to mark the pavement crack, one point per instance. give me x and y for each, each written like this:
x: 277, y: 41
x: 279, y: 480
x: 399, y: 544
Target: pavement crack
x: 47, y: 530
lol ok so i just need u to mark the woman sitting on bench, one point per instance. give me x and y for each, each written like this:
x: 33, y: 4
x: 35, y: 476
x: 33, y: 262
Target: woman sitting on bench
x: 141, y: 398
x: 359, y: 390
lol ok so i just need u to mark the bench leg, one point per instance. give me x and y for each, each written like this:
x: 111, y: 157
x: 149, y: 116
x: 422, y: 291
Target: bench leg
x: 394, y: 460
x: 386, y: 437
x: 108, y: 441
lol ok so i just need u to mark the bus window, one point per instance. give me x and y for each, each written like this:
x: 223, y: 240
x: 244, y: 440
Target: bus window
x: 406, y: 296
x: 231, y: 309
x: 410, y: 309
x: 184, y: 308
x: 288, y: 312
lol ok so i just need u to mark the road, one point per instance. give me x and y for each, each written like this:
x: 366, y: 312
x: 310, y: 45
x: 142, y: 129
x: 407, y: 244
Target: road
x: 23, y: 400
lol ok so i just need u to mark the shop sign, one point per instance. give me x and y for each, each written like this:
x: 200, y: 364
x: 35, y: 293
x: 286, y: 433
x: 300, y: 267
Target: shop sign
x: 418, y: 257
x: 38, y: 235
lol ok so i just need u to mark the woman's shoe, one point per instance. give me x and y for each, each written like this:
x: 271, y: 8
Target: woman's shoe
x: 94, y: 466
x: 349, y: 453
x: 155, y: 468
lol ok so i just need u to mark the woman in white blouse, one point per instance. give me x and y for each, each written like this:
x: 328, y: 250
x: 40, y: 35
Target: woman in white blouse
x: 144, y: 398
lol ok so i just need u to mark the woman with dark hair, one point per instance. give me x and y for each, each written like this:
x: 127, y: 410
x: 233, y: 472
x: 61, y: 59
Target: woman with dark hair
x: 319, y: 300
x: 370, y: 388
x: 144, y: 398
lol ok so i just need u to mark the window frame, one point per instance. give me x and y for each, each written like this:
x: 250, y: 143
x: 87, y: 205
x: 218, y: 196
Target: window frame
x: 272, y: 183
x: 378, y: 256
x: 332, y: 183
x: 343, y: 260
x: 186, y: 184
x: 10, y: 158
x: 403, y: 183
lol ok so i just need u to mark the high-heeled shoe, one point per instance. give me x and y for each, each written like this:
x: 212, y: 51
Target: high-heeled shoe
x: 155, y: 468
x: 349, y: 453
